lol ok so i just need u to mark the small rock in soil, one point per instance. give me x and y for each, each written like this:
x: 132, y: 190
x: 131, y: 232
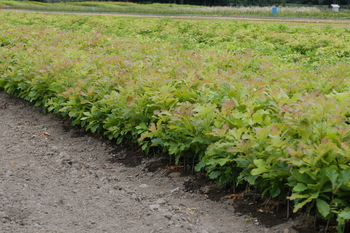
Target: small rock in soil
x: 8, y: 173
x: 168, y: 216
x: 154, y: 207
x: 161, y: 201
x: 174, y: 190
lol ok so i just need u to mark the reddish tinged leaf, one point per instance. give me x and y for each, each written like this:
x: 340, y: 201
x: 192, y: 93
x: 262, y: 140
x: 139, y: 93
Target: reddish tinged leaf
x: 44, y: 134
x: 345, y: 145
x: 274, y: 128
x: 292, y: 152
x: 129, y: 99
x: 4, y: 106
x: 233, y: 149
x: 173, y: 168
x: 324, y: 140
x: 235, y: 197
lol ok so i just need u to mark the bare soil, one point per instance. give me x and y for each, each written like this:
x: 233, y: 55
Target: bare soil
x: 58, y: 178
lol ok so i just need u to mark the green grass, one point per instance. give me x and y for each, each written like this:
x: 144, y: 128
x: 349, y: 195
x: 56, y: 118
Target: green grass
x: 172, y: 9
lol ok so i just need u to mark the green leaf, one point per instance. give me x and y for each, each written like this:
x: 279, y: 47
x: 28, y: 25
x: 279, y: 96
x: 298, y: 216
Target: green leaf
x: 258, y: 171
x: 223, y: 161
x: 251, y: 179
x: 214, y: 174
x: 344, y: 176
x: 323, y: 207
x: 156, y: 141
x: 142, y: 126
x: 303, y: 177
x: 94, y: 128
x: 298, y: 196
x: 199, y: 166
x: 275, y: 191
x: 144, y: 147
x: 341, y: 218
x: 300, y: 187
x: 260, y: 162
x: 310, y: 197
x: 344, y: 215
x: 261, y: 134
x: 333, y: 176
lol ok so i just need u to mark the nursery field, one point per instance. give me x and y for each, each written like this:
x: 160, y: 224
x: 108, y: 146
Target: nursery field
x: 259, y: 105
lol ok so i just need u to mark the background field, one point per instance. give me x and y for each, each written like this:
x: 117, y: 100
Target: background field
x: 174, y: 9
x: 264, y: 105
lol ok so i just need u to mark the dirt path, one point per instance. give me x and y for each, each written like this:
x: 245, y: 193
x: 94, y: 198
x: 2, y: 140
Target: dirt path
x: 239, y: 18
x: 54, y: 178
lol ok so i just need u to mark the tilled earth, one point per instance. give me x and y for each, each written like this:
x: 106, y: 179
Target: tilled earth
x: 56, y: 178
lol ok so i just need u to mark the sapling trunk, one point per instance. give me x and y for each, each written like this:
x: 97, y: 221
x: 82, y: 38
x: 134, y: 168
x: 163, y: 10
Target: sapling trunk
x: 278, y: 205
x: 288, y: 204
x: 330, y: 209
x: 233, y: 186
x: 327, y: 225
x: 268, y: 201
x: 315, y: 219
x: 306, y: 214
x: 246, y: 188
x: 193, y: 165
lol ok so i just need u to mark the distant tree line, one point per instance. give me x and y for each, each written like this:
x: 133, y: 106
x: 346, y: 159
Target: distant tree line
x: 248, y: 2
